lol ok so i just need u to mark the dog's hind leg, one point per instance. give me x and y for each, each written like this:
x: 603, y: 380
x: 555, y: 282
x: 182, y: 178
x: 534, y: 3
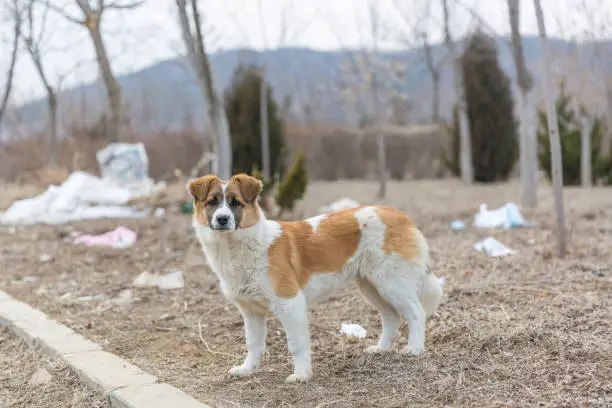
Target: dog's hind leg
x: 400, y: 288
x: 390, y: 318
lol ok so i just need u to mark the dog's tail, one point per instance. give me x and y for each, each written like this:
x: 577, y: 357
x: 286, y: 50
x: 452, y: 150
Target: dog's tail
x: 431, y: 293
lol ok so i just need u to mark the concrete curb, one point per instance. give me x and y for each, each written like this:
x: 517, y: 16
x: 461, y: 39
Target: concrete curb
x: 126, y: 385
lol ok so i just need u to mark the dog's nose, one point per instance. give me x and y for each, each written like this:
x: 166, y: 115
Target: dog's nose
x: 223, y: 220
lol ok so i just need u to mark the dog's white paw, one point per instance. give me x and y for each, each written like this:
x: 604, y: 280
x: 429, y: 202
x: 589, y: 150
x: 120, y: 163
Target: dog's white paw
x: 241, y: 371
x: 298, y: 378
x: 412, y: 350
x: 375, y: 350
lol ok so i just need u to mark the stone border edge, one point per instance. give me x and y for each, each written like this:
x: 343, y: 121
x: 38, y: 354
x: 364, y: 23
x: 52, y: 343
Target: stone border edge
x: 126, y: 385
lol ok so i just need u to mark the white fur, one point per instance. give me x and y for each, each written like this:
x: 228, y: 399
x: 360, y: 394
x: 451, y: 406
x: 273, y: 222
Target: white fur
x: 224, y: 210
x: 393, y: 286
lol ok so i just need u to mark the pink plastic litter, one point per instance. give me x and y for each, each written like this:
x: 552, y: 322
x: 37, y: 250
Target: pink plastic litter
x: 120, y: 237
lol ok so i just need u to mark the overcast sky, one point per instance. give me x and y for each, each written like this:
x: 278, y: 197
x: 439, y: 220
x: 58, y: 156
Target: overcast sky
x: 140, y: 37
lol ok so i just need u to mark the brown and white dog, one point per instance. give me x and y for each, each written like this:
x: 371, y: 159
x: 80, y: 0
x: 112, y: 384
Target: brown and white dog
x: 284, y: 267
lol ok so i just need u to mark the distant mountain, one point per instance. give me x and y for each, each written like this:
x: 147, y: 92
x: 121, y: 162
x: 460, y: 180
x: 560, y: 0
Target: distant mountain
x: 165, y: 96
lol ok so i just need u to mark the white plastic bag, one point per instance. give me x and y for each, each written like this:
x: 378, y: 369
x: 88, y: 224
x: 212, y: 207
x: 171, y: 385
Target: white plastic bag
x: 126, y: 165
x: 507, y: 216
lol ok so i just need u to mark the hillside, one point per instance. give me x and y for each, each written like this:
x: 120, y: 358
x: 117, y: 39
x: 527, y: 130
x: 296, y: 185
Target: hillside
x: 165, y: 96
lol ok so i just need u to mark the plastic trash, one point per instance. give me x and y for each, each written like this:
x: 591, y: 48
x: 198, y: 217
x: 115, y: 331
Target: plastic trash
x: 342, y: 204
x: 119, y: 238
x: 172, y: 280
x: 493, y: 248
x: 127, y: 165
x: 353, y: 330
x: 457, y: 225
x: 507, y: 216
x: 81, y: 197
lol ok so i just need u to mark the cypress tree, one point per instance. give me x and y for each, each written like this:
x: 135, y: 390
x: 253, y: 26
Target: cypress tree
x: 242, y: 102
x: 490, y: 110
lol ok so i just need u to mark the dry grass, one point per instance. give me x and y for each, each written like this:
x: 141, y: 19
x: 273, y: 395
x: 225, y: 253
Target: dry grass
x: 19, y: 362
x: 526, y: 330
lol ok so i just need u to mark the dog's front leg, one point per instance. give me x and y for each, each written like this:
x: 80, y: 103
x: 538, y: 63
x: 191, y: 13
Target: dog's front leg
x: 293, y: 314
x: 255, y: 333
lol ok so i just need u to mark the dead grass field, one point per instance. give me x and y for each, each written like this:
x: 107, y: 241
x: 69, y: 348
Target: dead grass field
x: 22, y: 385
x: 527, y: 330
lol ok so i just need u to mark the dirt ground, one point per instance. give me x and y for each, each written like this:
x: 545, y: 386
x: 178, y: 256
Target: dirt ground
x: 526, y: 330
x: 30, y: 379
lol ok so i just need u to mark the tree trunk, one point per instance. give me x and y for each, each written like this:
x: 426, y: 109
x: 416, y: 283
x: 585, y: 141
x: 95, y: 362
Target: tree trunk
x: 265, y: 131
x: 52, y: 150
x: 381, y: 156
x: 113, y: 90
x: 527, y: 141
x: 215, y: 111
x: 465, y: 138
x: 11, y: 70
x: 553, y: 131
x: 435, y: 103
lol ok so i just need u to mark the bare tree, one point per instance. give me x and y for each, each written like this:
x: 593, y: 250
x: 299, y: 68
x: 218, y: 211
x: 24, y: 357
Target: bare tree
x: 284, y: 35
x: 418, y: 24
x: 465, y: 155
x: 368, y: 84
x: 91, y: 19
x: 193, y: 38
x: 528, y: 140
x: 33, y: 37
x: 553, y: 132
x: 16, y: 18
x: 381, y: 153
x: 263, y: 104
x: 599, y: 22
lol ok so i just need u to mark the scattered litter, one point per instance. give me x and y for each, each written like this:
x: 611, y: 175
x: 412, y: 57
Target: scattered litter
x: 507, y: 216
x: 159, y: 212
x: 40, y: 377
x: 342, y: 204
x: 493, y: 248
x: 25, y: 280
x: 172, y: 280
x: 126, y: 165
x: 45, y: 258
x: 118, y: 238
x: 597, y: 273
x: 353, y: 330
x: 457, y: 225
x: 124, y: 298
x: 81, y: 197
x: 88, y: 298
x: 187, y: 208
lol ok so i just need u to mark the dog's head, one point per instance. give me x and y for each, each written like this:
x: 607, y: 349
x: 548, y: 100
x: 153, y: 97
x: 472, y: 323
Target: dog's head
x: 226, y: 205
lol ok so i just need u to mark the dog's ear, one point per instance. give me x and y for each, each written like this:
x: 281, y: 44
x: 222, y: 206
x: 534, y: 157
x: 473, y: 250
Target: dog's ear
x: 250, y: 187
x: 200, y: 187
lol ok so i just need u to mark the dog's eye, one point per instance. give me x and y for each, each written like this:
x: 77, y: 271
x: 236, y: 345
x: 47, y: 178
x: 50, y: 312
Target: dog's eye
x: 233, y: 202
x: 213, y: 201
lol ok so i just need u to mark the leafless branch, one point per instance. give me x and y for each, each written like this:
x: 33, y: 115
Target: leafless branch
x: 63, y: 13
x: 17, y: 17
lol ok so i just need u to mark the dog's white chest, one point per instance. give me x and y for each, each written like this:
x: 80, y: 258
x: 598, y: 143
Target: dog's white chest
x: 240, y: 269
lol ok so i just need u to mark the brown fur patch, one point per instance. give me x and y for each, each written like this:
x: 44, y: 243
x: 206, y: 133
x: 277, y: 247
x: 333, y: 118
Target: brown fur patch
x: 299, y: 252
x: 400, y: 237
x: 203, y: 189
x: 245, y: 189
